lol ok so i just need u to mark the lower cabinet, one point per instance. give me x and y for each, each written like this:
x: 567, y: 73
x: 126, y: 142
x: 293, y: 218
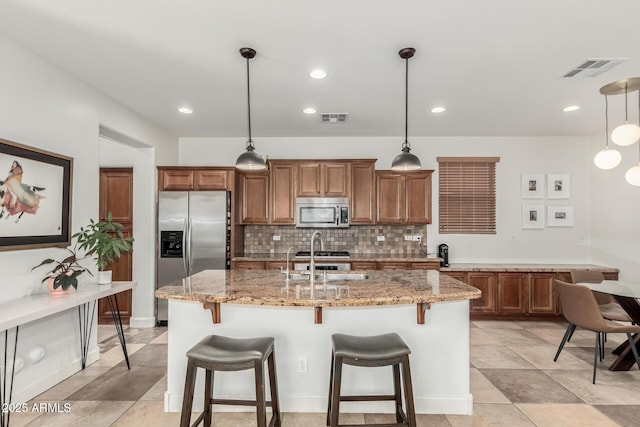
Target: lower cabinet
x: 486, y: 282
x: 513, y: 293
x: 393, y: 266
x: 543, y: 297
x: 363, y: 265
x: 248, y: 265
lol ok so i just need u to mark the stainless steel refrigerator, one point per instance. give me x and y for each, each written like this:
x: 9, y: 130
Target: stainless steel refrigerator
x: 194, y: 230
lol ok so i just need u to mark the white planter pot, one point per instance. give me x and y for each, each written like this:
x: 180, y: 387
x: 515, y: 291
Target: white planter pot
x: 104, y: 277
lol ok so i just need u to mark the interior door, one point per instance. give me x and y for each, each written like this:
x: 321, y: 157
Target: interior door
x: 116, y: 196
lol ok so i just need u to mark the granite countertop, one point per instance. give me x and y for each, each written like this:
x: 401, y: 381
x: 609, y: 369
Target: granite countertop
x: 525, y: 267
x: 354, y: 258
x: 263, y: 287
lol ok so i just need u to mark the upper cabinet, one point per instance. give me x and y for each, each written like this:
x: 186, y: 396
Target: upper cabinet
x: 253, y: 197
x: 363, y: 192
x: 195, y: 178
x: 324, y: 179
x: 282, y: 185
x: 403, y: 197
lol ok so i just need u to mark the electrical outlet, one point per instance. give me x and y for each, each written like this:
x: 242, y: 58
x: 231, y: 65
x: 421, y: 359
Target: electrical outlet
x: 408, y: 238
x: 302, y: 364
x: 380, y: 238
x: 276, y: 238
x: 417, y: 238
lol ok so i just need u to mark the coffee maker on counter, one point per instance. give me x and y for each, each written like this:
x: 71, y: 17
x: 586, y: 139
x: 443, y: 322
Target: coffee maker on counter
x: 443, y: 252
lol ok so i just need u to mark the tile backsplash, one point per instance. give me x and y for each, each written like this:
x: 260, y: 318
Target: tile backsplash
x: 360, y: 239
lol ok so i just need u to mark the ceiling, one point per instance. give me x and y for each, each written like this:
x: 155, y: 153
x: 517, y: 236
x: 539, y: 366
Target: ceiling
x: 496, y: 65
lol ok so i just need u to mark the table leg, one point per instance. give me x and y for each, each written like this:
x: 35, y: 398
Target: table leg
x: 5, y: 396
x: 117, y: 321
x: 85, y: 319
x: 626, y: 359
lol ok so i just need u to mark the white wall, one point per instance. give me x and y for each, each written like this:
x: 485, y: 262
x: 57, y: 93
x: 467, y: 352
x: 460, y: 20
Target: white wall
x: 44, y: 107
x: 615, y: 212
x: 116, y: 154
x: 518, y: 155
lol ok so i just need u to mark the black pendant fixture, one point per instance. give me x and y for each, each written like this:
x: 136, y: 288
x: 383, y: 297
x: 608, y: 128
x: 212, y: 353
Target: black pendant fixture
x: 249, y: 160
x: 406, y: 161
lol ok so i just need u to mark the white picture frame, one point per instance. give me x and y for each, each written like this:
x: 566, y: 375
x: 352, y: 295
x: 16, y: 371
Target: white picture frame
x: 560, y: 216
x: 532, y: 186
x: 558, y: 186
x: 532, y: 216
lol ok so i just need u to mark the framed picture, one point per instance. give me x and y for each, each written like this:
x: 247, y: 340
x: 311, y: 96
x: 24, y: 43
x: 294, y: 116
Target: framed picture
x: 558, y: 186
x: 35, y: 197
x: 560, y: 216
x: 532, y: 216
x: 532, y: 186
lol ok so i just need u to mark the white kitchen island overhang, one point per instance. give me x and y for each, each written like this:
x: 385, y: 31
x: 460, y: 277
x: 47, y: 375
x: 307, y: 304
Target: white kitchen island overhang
x: 255, y: 303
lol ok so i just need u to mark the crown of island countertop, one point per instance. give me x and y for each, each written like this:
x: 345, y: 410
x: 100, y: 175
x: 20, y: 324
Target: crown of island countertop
x: 263, y: 287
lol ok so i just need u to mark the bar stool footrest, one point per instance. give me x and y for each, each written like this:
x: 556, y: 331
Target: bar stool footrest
x: 237, y: 402
x: 366, y: 398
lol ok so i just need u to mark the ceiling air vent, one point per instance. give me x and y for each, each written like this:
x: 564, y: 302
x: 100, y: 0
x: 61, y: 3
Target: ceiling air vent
x: 334, y: 117
x: 594, y: 67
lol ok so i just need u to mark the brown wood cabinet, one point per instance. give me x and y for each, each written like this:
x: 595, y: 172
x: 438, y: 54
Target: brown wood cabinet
x: 363, y: 192
x: 324, y: 178
x: 282, y: 184
x: 435, y: 265
x: 363, y: 265
x: 393, y: 266
x: 458, y: 275
x: 248, y: 265
x: 543, y: 297
x: 513, y: 293
x: 486, y: 282
x: 253, y: 190
x: 195, y: 178
x: 403, y: 198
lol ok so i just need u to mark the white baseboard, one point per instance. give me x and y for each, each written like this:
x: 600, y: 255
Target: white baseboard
x: 142, y: 322
x: 460, y: 405
x: 45, y: 383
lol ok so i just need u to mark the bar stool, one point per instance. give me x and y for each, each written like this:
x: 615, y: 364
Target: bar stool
x: 379, y: 350
x: 218, y: 353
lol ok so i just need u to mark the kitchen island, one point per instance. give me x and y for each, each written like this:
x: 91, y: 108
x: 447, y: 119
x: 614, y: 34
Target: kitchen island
x: 428, y: 309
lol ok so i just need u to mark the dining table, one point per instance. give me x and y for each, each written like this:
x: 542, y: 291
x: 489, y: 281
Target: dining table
x: 627, y: 295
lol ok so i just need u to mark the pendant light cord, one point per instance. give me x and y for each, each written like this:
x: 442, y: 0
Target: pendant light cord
x: 250, y: 142
x: 626, y: 105
x: 606, y: 121
x: 406, y: 103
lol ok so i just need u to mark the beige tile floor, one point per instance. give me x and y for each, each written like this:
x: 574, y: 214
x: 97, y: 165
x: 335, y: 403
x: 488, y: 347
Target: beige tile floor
x: 514, y: 382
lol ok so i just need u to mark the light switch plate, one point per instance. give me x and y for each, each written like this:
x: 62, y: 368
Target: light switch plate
x: 408, y: 238
x: 380, y: 238
x: 276, y: 238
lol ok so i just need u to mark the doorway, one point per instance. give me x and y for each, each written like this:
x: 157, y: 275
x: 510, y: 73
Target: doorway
x: 116, y: 196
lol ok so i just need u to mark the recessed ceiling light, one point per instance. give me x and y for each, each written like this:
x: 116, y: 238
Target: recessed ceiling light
x: 309, y: 110
x: 438, y: 109
x: 318, y: 74
x: 571, y: 108
x: 185, y: 110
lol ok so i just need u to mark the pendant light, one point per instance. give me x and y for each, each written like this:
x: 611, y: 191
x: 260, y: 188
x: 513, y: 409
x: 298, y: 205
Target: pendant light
x: 607, y: 158
x: 406, y: 161
x: 249, y: 160
x: 633, y: 175
x: 627, y: 133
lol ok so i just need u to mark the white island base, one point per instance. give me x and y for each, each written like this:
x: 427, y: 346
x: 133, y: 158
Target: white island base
x: 439, y: 355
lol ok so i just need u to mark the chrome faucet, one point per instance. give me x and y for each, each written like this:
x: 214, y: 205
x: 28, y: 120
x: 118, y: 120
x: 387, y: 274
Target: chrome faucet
x: 287, y: 275
x: 312, y: 261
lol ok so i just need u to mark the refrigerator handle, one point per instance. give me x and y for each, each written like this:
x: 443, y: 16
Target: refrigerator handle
x: 189, y: 245
x: 185, y: 253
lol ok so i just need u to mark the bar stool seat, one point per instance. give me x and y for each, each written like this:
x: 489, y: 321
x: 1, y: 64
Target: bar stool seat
x: 218, y: 353
x: 372, y: 351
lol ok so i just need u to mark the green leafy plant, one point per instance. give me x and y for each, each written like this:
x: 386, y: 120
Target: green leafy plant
x: 104, y: 240
x: 64, y: 273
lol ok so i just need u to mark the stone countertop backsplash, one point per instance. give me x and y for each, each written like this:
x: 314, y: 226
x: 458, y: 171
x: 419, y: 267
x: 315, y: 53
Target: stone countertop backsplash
x: 353, y: 258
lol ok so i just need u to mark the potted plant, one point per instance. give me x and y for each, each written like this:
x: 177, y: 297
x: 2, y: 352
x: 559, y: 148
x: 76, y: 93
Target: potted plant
x: 64, y: 274
x: 105, y: 241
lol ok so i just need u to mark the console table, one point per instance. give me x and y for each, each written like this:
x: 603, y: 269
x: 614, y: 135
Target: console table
x: 18, y: 312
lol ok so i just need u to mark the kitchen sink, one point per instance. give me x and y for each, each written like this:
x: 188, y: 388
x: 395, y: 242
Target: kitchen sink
x: 331, y: 276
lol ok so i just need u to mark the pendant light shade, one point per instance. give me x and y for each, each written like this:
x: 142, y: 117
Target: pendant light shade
x: 405, y: 161
x: 627, y: 133
x: 607, y: 158
x: 633, y: 175
x: 249, y: 160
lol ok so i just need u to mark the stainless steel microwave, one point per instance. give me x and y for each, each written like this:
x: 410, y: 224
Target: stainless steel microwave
x: 322, y: 212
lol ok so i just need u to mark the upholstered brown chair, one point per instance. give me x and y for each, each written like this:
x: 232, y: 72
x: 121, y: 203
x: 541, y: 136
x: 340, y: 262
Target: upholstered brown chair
x: 580, y: 308
x: 610, y: 309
